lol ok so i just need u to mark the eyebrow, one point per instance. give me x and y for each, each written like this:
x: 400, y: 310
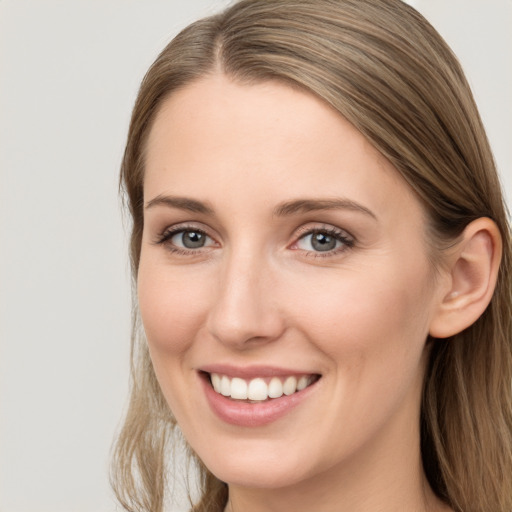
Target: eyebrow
x: 285, y: 209
x: 311, y: 205
x: 182, y: 203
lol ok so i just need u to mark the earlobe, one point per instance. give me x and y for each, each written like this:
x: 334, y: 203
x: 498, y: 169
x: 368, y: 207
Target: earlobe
x: 472, y: 273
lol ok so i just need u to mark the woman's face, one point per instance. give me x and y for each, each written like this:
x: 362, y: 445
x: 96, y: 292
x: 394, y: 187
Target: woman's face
x: 281, y: 250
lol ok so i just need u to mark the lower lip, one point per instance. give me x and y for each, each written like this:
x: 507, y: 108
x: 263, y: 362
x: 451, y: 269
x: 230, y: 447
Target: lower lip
x: 245, y: 414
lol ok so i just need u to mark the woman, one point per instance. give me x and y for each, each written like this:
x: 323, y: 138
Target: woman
x: 321, y: 258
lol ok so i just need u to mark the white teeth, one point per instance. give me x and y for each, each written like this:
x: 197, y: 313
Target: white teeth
x: 302, y: 383
x: 290, y: 386
x: 257, y: 389
x: 275, y: 388
x: 238, y: 389
x: 216, y: 382
x: 225, y: 386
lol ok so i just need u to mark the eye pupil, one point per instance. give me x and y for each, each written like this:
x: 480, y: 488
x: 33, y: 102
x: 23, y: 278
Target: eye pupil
x: 323, y: 242
x: 193, y: 239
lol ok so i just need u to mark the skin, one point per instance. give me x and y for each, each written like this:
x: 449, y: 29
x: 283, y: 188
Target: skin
x: 258, y: 293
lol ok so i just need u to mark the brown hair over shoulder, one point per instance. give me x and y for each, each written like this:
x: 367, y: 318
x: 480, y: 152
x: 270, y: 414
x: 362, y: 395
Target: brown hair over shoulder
x: 383, y: 67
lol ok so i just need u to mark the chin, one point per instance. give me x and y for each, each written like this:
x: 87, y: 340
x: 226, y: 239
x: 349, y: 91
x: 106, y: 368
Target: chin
x: 254, y: 475
x: 259, y: 467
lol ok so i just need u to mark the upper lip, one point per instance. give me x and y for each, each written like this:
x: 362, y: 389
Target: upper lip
x: 253, y: 371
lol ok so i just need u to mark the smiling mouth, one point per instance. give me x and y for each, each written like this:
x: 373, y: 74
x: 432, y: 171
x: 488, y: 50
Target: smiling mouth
x: 260, y: 389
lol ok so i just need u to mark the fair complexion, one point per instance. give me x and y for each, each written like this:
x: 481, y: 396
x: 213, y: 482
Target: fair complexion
x: 278, y: 241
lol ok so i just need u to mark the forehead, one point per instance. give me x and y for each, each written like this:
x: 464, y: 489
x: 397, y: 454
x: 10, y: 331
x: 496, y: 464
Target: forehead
x: 266, y: 138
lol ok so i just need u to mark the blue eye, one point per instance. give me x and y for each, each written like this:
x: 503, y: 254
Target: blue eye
x: 324, y: 240
x: 190, y: 239
x: 185, y: 239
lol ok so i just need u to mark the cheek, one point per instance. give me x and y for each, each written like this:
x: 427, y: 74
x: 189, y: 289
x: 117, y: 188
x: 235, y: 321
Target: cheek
x: 172, y: 313
x: 373, y: 335
x: 172, y: 308
x: 369, y: 323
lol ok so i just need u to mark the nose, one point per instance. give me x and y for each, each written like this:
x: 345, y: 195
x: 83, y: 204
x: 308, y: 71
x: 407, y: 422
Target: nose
x: 245, y: 312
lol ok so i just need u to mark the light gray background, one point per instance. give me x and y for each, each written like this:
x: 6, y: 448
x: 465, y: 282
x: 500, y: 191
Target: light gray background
x: 69, y: 72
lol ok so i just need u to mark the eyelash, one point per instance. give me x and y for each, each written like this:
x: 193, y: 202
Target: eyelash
x: 339, y: 235
x: 166, y: 236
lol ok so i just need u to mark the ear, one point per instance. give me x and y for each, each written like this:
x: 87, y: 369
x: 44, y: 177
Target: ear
x: 471, y: 274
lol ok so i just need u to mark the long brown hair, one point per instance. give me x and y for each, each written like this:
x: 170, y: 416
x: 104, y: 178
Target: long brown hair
x: 383, y: 67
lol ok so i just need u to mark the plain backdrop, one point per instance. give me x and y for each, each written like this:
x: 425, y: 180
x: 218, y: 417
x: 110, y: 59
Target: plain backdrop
x: 69, y: 72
